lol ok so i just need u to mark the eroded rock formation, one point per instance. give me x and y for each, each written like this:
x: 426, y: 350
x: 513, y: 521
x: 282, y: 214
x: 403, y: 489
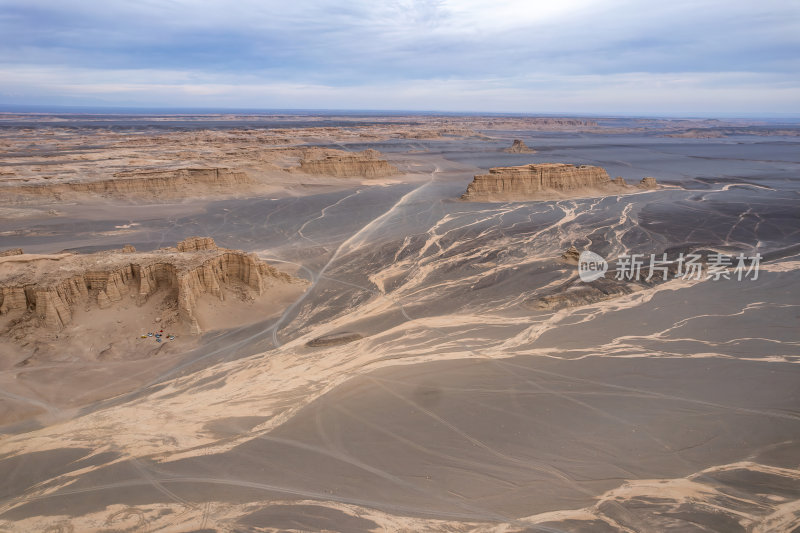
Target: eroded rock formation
x: 50, y: 296
x: 366, y: 164
x: 192, y: 244
x: 576, y: 293
x: 143, y: 183
x: 535, y: 181
x: 648, y: 183
x: 572, y: 255
x: 519, y: 147
x: 547, y: 181
x: 9, y: 252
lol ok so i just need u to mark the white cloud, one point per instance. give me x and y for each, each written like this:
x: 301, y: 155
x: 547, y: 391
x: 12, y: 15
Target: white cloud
x: 675, y: 93
x: 581, y: 55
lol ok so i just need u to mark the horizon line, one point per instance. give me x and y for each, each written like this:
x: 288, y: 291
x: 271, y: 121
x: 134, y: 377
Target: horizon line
x: 213, y: 110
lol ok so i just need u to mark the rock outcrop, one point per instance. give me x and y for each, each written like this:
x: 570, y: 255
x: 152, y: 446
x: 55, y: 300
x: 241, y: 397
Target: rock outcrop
x: 12, y: 298
x: 366, y: 164
x: 576, y: 293
x: 198, y: 267
x: 334, y: 339
x: 648, y: 183
x: 144, y: 183
x: 535, y: 181
x: 519, y: 147
x: 572, y: 255
x: 10, y: 252
x: 192, y: 244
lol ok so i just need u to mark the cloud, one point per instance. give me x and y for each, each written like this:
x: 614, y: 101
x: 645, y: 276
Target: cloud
x: 531, y: 53
x: 687, y: 92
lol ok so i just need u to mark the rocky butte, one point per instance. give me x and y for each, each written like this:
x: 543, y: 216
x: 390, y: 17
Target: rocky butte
x: 366, y: 164
x: 519, y: 147
x: 45, y: 290
x: 648, y: 182
x: 545, y: 181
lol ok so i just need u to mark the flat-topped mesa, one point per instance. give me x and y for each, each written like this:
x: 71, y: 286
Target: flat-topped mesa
x: 519, y: 147
x: 140, y: 183
x: 536, y: 181
x: 366, y: 164
x: 49, y: 295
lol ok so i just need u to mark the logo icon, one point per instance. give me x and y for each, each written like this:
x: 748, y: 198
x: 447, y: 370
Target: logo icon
x: 591, y: 266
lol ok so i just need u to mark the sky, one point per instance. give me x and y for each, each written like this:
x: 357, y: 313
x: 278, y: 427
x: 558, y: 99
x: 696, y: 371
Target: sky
x: 629, y: 57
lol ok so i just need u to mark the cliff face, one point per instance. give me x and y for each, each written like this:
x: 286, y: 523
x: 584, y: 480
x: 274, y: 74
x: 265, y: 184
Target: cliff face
x: 366, y: 164
x: 534, y: 181
x: 169, y: 183
x: 192, y: 244
x: 200, y: 268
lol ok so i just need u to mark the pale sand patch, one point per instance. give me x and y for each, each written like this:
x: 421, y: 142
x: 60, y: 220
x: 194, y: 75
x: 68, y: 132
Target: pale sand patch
x: 102, y: 353
x: 215, y: 314
x: 783, y: 266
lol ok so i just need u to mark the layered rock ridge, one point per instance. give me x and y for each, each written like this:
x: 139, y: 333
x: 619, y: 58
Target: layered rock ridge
x: 140, y: 183
x: 366, y: 164
x: 196, y: 267
x: 546, y: 181
x: 534, y: 181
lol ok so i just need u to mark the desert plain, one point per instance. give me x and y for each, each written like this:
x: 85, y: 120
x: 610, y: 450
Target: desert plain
x: 361, y: 322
